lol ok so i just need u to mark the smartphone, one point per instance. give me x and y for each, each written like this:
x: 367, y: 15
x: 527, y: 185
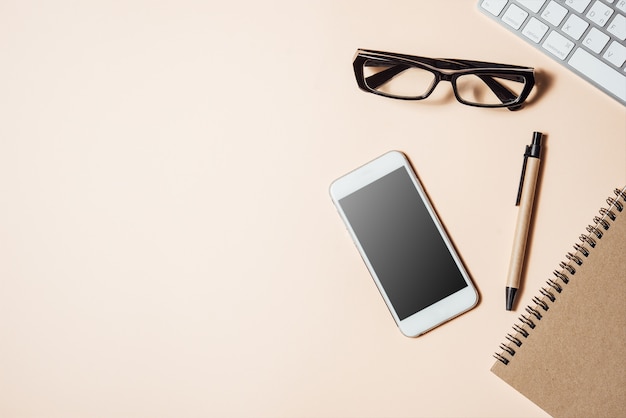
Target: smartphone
x: 403, y: 244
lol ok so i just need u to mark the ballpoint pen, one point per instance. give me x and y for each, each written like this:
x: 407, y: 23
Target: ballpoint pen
x: 525, y: 200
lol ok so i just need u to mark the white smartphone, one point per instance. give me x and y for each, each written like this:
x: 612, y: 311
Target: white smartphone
x: 403, y: 244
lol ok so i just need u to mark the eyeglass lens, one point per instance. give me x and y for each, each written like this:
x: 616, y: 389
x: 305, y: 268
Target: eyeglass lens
x: 483, y: 88
x: 401, y: 80
x: 397, y: 80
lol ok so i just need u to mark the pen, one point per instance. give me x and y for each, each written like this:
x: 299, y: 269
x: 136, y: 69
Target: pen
x: 525, y: 198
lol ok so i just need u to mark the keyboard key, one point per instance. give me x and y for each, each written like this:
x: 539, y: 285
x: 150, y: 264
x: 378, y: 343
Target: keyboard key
x: 579, y: 5
x: 533, y: 5
x: 604, y: 75
x: 574, y: 26
x: 514, y: 16
x: 535, y: 29
x: 558, y: 45
x: 621, y: 4
x: 618, y: 27
x: 554, y: 13
x: 615, y: 54
x: 494, y: 6
x: 595, y: 40
x: 599, y: 13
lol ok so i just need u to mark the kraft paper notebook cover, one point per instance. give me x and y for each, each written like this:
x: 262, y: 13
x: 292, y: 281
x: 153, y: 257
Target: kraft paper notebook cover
x: 567, y: 354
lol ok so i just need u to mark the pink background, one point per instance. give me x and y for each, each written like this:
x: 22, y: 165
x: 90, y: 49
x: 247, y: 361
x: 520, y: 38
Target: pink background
x: 168, y: 246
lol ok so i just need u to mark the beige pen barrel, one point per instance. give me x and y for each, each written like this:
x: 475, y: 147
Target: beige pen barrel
x: 523, y: 223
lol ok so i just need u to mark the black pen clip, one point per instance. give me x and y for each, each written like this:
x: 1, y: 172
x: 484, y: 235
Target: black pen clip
x: 521, y: 180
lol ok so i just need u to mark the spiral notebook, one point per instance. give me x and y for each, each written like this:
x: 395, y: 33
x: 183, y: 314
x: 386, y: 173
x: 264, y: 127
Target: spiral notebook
x: 567, y: 353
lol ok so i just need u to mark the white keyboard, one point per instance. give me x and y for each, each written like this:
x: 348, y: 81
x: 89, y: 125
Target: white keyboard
x: 586, y: 36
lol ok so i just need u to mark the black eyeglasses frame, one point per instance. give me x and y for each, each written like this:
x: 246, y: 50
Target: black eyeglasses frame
x: 445, y: 70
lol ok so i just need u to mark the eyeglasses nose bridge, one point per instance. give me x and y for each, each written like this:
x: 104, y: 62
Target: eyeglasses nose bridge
x: 441, y: 76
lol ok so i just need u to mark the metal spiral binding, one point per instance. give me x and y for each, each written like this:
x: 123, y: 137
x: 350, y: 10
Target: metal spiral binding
x: 574, y: 258
x: 541, y: 303
x: 554, y: 285
x: 618, y: 205
x: 565, y: 266
x: 603, y: 223
x: 609, y: 213
x: 562, y: 276
x: 579, y: 248
x: 514, y: 340
x: 534, y: 312
x: 586, y: 239
x: 594, y: 230
x: 548, y: 296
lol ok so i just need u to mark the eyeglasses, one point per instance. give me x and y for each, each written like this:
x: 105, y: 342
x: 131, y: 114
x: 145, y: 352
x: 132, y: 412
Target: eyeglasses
x: 474, y: 83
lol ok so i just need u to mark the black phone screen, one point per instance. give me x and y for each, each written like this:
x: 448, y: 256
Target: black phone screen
x: 402, y: 243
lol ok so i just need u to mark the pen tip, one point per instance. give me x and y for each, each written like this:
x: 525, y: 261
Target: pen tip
x: 510, y: 298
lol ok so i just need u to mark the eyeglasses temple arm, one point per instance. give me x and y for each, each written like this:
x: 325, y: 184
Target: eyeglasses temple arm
x: 501, y: 92
x: 376, y: 80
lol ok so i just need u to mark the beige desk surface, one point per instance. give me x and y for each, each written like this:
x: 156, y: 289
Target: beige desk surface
x: 168, y: 247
